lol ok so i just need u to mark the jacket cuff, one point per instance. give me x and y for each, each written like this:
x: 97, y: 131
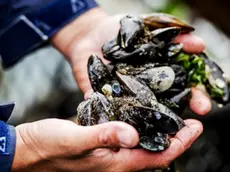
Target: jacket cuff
x: 7, y: 146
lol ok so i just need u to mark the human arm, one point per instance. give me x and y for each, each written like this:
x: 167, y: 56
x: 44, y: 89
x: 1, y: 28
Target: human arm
x: 75, y: 35
x: 27, y: 25
x: 89, y: 38
x: 22, y: 146
x: 59, y: 145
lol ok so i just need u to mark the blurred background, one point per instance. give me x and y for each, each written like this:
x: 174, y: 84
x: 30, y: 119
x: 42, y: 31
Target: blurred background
x: 42, y: 84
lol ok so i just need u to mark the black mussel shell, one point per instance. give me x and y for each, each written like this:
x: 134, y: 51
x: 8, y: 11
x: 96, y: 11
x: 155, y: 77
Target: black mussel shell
x: 95, y: 110
x: 181, y: 76
x: 110, y: 47
x: 156, y: 142
x: 164, y: 121
x: 165, y: 35
x: 138, y: 90
x: 131, y: 28
x: 138, y: 56
x: 178, y: 102
x: 98, y: 73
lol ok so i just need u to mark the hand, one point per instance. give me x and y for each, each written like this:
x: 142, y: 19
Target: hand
x: 59, y: 145
x: 96, y: 28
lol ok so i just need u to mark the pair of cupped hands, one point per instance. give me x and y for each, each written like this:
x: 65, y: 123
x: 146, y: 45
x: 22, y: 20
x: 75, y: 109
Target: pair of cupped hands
x: 62, y: 145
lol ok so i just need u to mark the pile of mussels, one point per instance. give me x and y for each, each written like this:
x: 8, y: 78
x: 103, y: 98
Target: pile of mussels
x: 148, y: 81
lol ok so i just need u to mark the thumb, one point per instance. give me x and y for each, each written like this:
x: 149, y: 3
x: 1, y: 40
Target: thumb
x: 111, y: 134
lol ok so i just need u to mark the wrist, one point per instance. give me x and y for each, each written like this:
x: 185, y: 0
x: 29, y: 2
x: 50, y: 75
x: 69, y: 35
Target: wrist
x: 25, y: 156
x: 67, y: 37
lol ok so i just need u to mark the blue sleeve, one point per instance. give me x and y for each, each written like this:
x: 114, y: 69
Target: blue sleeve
x: 10, y: 9
x: 7, y: 146
x: 26, y: 25
x: 7, y: 138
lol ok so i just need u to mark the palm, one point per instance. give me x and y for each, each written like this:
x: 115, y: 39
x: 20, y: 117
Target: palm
x: 91, y: 44
x: 106, y: 30
x: 84, y: 146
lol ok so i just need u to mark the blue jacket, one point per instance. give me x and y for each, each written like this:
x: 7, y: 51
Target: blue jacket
x: 10, y: 10
x: 7, y: 138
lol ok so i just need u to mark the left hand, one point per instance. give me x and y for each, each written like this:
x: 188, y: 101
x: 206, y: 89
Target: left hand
x: 54, y: 145
x: 96, y: 28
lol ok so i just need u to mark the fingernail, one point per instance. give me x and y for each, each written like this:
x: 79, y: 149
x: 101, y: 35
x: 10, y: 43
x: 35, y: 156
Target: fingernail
x: 126, y: 138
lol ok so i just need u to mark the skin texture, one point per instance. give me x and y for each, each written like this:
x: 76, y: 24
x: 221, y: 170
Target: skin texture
x: 192, y: 43
x: 78, y: 148
x: 199, y: 99
x: 60, y: 145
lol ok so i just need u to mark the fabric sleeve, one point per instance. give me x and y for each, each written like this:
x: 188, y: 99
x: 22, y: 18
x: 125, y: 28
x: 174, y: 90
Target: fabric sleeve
x: 7, y: 137
x: 7, y: 146
x: 27, y: 25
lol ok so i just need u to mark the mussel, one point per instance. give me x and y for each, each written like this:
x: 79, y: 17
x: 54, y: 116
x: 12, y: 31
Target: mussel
x: 148, y: 81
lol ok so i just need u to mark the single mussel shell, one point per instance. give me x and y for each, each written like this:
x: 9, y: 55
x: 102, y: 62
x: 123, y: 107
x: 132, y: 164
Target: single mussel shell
x: 100, y: 77
x: 164, y: 36
x: 140, y: 91
x: 95, y: 110
x: 156, y: 142
x: 140, y: 55
x: 159, y: 79
x: 110, y: 47
x: 166, y: 126
x: 181, y: 76
x: 177, y: 103
x: 131, y: 28
x: 84, y: 110
x: 179, y: 84
x: 98, y: 73
x: 162, y: 120
x: 162, y: 20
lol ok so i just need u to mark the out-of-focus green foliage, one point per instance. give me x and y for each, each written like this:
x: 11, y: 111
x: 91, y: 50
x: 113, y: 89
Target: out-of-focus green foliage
x: 174, y: 7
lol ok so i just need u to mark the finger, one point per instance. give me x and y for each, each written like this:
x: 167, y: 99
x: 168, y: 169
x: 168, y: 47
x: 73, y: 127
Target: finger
x: 88, y: 94
x: 192, y: 43
x: 138, y: 159
x: 200, y: 104
x: 110, y: 134
x: 80, y: 73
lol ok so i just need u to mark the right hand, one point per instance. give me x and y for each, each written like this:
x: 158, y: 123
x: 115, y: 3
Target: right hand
x: 87, y: 34
x: 54, y: 145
